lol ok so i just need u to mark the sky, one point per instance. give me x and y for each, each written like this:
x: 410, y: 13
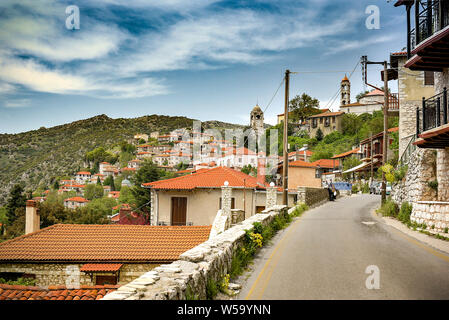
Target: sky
x: 203, y: 59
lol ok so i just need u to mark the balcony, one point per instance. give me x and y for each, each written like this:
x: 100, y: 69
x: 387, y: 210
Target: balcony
x: 432, y: 126
x: 428, y: 41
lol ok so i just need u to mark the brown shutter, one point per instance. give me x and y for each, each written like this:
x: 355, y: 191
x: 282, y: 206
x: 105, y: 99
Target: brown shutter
x: 178, y: 211
x: 429, y: 79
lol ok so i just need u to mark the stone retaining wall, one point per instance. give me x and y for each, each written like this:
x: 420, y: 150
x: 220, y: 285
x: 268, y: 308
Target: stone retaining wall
x: 210, y: 260
x: 312, y: 196
x: 432, y: 213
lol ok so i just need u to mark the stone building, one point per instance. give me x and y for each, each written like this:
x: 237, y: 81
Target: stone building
x: 76, y: 255
x: 413, y: 85
x: 328, y: 122
x: 345, y: 91
x: 427, y: 52
x: 256, y: 120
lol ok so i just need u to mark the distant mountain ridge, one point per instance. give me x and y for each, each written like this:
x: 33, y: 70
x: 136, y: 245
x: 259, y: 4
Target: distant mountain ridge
x: 35, y: 157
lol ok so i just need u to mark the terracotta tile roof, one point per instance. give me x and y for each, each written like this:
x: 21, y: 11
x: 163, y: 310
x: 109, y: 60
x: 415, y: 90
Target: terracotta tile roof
x: 302, y: 164
x: 241, y: 151
x: 77, y: 199
x: 375, y: 92
x: 327, y: 114
x: 110, y: 243
x: 208, y: 178
x: 109, y: 267
x: 308, y: 153
x: 16, y: 292
x: 326, y: 163
x: 347, y: 153
x: 84, y: 172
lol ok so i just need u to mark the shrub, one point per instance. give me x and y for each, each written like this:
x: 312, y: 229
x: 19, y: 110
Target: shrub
x: 433, y: 184
x: 400, y: 173
x: 355, y: 189
x: 211, y: 289
x: 405, y: 212
x: 389, y: 208
x: 365, y: 188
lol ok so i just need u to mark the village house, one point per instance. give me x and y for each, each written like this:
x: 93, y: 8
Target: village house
x: 301, y: 174
x: 78, y: 254
x: 343, y: 157
x: 75, y: 202
x: 82, y: 177
x: 114, y: 194
x: 326, y: 166
x: 301, y: 154
x: 413, y: 86
x: 327, y: 122
x: 144, y: 155
x: 94, y: 178
x: 427, y: 47
x: 238, y: 158
x: 167, y: 138
x: 136, y: 163
x: 140, y: 136
x: 194, y: 199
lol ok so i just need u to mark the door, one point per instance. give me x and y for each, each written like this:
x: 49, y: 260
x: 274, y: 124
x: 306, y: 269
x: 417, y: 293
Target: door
x: 178, y: 211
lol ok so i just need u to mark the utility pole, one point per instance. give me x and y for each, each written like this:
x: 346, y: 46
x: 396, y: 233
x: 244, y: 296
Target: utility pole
x: 372, y: 159
x: 285, y: 141
x: 385, y: 140
x: 365, y: 62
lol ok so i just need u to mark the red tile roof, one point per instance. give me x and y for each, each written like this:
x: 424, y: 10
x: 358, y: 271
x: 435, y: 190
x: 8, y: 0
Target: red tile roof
x: 375, y: 92
x: 302, y: 164
x: 347, y: 153
x: 240, y: 151
x: 16, y: 292
x: 107, y: 267
x: 77, y: 199
x: 84, y: 172
x: 308, y: 153
x: 326, y: 163
x: 208, y: 178
x: 110, y: 243
x: 327, y: 114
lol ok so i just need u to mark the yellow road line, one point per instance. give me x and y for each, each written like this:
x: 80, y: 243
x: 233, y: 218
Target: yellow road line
x: 267, y: 263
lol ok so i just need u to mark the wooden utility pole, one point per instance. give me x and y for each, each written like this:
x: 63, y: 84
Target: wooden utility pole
x: 285, y: 141
x: 372, y: 159
x: 385, y: 140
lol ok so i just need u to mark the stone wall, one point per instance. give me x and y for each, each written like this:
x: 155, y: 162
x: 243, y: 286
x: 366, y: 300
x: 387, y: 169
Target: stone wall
x: 312, y: 196
x: 434, y: 214
x: 209, y: 260
x: 65, y: 274
x: 443, y: 174
x: 414, y: 187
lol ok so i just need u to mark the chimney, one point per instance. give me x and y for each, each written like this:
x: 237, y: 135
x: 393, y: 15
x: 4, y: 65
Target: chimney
x: 261, y: 170
x: 32, y: 218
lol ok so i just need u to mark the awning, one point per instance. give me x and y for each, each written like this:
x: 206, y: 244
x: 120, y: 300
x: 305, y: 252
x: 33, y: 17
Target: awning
x: 361, y: 166
x: 101, y: 267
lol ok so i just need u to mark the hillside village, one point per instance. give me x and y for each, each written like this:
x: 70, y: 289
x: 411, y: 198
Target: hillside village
x: 139, y: 216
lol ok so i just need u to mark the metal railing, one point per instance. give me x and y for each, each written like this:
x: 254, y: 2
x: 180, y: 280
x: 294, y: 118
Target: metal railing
x: 393, y: 101
x: 433, y: 113
x: 406, y: 155
x: 433, y: 16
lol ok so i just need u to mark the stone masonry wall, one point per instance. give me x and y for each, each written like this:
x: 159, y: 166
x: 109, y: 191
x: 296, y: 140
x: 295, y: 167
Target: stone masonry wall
x: 415, y: 187
x: 209, y: 260
x: 64, y: 274
x: 312, y: 196
x: 443, y: 174
x: 434, y: 214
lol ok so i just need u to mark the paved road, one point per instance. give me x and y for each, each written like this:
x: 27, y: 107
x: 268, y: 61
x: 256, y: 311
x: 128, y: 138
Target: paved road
x: 324, y: 255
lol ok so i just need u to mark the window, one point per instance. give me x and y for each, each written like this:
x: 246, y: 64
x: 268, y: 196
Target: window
x: 429, y: 79
x: 102, y: 280
x: 232, y: 203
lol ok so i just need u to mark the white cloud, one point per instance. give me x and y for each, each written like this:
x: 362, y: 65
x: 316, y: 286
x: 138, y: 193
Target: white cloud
x: 17, y: 103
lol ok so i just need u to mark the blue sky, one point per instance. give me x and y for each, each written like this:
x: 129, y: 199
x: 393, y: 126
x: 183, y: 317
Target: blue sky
x: 204, y: 59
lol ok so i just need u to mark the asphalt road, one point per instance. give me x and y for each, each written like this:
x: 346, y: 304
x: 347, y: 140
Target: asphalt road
x: 324, y: 255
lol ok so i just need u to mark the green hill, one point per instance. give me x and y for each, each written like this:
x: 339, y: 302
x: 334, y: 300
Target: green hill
x: 35, y: 158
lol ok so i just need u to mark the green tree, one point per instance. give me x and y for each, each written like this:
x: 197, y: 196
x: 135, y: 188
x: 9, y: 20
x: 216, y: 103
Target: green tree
x: 109, y: 181
x: 93, y: 191
x: 126, y: 196
x: 148, y: 172
x: 99, y: 181
x: 16, y: 200
x: 303, y: 107
x: 319, y: 134
x: 250, y: 170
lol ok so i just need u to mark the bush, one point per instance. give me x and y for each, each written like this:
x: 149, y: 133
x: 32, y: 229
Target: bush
x: 405, y: 212
x: 365, y: 188
x: 389, y: 208
x: 433, y: 184
x: 355, y: 189
x: 211, y: 289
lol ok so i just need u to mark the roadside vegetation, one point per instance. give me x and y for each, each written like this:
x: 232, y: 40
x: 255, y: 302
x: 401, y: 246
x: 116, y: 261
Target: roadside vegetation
x: 403, y: 213
x: 255, y: 238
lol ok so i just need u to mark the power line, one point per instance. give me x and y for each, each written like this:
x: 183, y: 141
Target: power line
x: 332, y: 100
